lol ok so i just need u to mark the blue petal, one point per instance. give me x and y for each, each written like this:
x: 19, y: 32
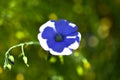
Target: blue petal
x: 53, y: 20
x: 77, y: 34
x: 78, y: 37
x: 48, y: 33
x: 56, y: 46
x: 69, y: 41
x: 63, y: 27
x: 73, y: 34
x: 72, y: 38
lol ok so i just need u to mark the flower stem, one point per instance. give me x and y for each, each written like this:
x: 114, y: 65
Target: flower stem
x: 15, y: 46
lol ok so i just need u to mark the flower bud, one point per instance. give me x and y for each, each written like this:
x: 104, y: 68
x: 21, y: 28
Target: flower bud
x: 25, y: 60
x: 11, y: 58
x: 9, y: 66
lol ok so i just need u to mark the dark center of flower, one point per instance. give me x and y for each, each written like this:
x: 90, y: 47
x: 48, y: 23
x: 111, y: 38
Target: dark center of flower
x: 58, y: 37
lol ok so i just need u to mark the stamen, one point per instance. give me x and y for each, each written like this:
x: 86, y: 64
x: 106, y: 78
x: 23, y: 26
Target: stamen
x: 58, y: 38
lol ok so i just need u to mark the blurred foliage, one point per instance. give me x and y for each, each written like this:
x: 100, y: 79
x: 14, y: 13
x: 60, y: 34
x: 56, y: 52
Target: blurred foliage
x: 97, y: 57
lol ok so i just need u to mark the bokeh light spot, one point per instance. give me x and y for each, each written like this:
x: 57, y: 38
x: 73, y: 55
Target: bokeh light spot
x: 1, y: 70
x: 104, y: 28
x: 52, y: 16
x: 79, y: 70
x: 52, y: 59
x: 93, y: 41
x: 55, y: 77
x: 76, y: 54
x: 20, y: 35
x: 12, y: 4
x: 86, y: 64
x: 20, y: 76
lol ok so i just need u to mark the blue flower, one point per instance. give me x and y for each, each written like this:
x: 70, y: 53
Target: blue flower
x: 59, y: 37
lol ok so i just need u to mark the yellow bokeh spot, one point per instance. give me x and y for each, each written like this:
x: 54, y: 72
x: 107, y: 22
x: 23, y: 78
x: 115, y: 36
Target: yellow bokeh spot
x: 86, y: 64
x: 104, y: 27
x: 52, y: 59
x: 76, y: 54
x: 79, y: 70
x: 12, y: 4
x: 117, y: 2
x: 20, y: 35
x: 1, y: 70
x: 106, y: 22
x: 103, y: 33
x: 53, y: 16
x: 20, y: 76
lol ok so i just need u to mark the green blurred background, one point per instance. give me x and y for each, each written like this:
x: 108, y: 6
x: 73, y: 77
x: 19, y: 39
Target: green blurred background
x: 97, y: 57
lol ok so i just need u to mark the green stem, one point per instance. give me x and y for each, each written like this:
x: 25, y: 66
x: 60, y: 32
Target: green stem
x: 15, y: 46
